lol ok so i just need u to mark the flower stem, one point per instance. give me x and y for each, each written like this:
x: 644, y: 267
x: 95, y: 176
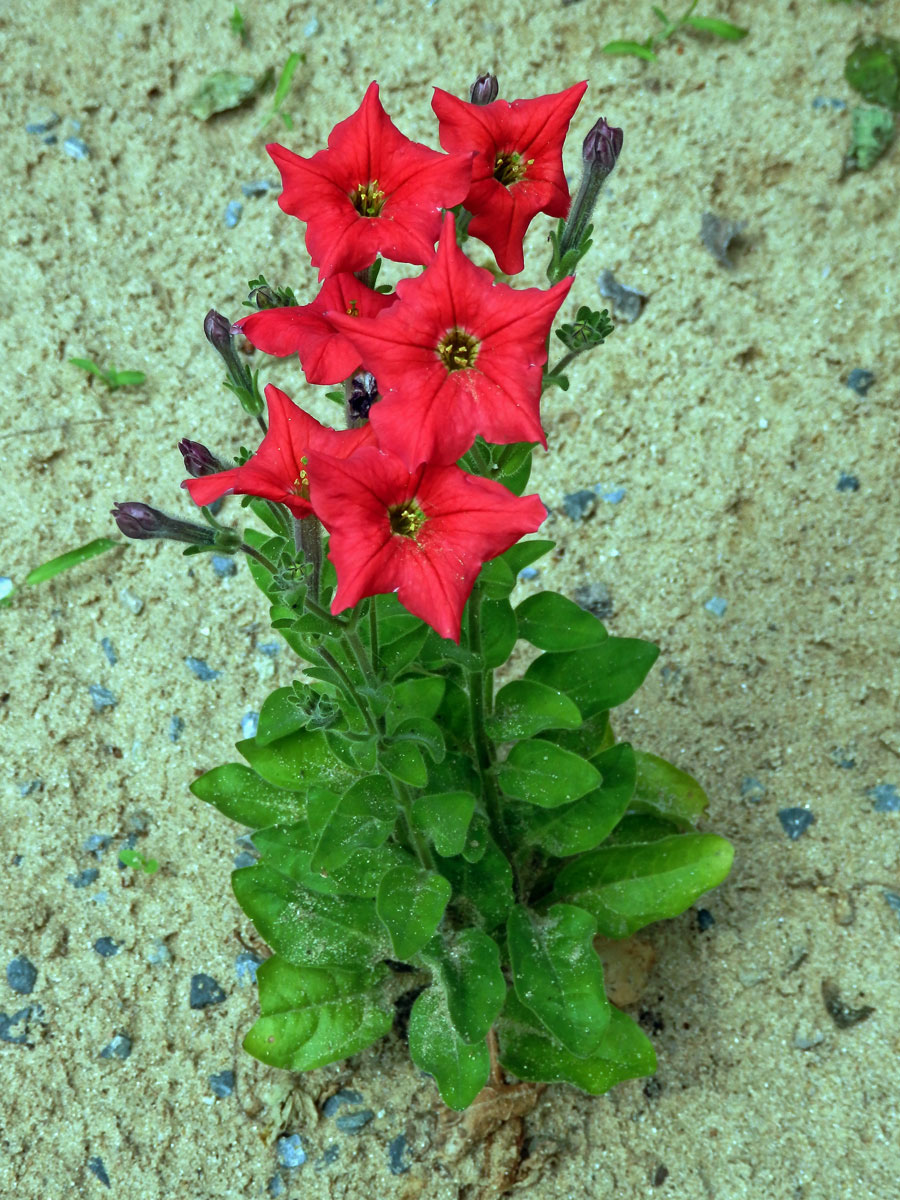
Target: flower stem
x: 416, y: 840
x: 261, y: 558
x: 480, y: 686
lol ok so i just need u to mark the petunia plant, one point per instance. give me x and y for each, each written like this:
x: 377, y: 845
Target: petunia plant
x: 440, y: 808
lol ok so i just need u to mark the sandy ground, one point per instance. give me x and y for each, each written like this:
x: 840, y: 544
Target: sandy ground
x: 723, y: 412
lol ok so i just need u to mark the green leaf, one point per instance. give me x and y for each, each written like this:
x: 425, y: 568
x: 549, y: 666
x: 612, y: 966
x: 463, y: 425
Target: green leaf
x: 395, y: 655
x: 598, y: 677
x: 722, y: 29
x: 224, y: 90
x: 363, y: 818
x: 460, y: 1070
x: 552, y: 622
x: 523, y: 554
x: 468, y: 965
x: 541, y: 772
x: 558, y: 976
x: 125, y: 378
x: 454, y: 715
x: 71, y: 558
x: 419, y: 696
x: 444, y: 819
x: 624, y: 48
x: 281, y: 90
x: 88, y: 365
x: 872, y: 132
x: 529, y: 1052
x: 662, y: 790
x: 482, y: 889
x: 306, y: 928
x: 498, y: 632
x: 404, y: 761
x: 584, y: 824
x: 411, y: 903
x: 523, y: 708
x: 496, y: 580
x: 311, y: 1016
x: 279, y: 716
x: 296, y: 761
x: 592, y: 737
x: 873, y: 69
x: 629, y: 886
x: 288, y: 849
x: 457, y: 773
x: 421, y: 732
x: 239, y: 793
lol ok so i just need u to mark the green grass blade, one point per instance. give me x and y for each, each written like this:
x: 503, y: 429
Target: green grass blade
x: 624, y: 48
x: 87, y: 365
x: 71, y: 558
x: 722, y: 29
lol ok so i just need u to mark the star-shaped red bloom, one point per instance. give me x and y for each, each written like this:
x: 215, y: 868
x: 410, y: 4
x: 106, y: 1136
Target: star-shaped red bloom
x: 278, y: 470
x: 458, y: 355
x: 422, y: 534
x: 518, y: 169
x: 373, y: 191
x: 326, y: 355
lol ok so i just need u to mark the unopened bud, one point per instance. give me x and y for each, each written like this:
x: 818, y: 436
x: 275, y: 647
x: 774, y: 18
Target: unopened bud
x: 198, y: 460
x: 603, y: 145
x: 361, y: 392
x: 600, y: 152
x: 484, y: 90
x: 218, y: 331
x: 140, y: 521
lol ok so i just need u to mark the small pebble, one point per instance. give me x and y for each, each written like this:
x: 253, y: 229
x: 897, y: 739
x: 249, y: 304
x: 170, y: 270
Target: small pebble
x: 110, y: 651
x: 249, y: 724
x: 884, y: 797
x: 595, y: 598
x: 14, y: 1028
x: 612, y: 496
x: 311, y: 27
x: 344, y: 1096
x: 6, y: 586
x: 843, y: 758
x: 76, y: 148
x: 246, y: 965
x: 660, y: 1175
x: 30, y: 788
x: 44, y: 122
x: 159, y: 954
x: 119, y: 1047
x: 258, y: 188
x: 233, y: 210
x: 275, y: 1185
x: 528, y: 573
x: 628, y: 303
x: 752, y: 789
x: 132, y: 602
x: 892, y: 900
x: 201, y: 669
x: 205, y: 991
x: 329, y: 1154
x: 717, y: 234
x: 21, y: 975
x: 96, y: 1167
x: 860, y: 380
x: 802, y: 1042
x: 716, y: 605
x: 97, y: 843
x: 396, y: 1148
x: 847, y: 483
x: 290, y: 1151
x: 84, y: 878
x: 222, y: 1084
x: 176, y: 728
x: 795, y: 821
x: 354, y: 1122
x: 223, y: 565
x: 101, y: 697
x: 269, y: 649
x: 829, y: 102
x: 106, y: 947
x: 705, y: 919
x: 579, y: 505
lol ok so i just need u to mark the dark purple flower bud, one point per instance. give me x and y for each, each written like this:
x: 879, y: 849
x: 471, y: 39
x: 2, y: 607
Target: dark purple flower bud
x: 361, y: 392
x: 140, y: 521
x: 198, y: 460
x: 218, y: 331
x: 603, y: 145
x: 484, y: 90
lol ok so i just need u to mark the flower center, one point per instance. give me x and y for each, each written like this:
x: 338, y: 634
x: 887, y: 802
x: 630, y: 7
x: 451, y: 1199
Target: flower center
x: 300, y: 486
x: 457, y: 350
x: 368, y: 198
x: 406, y: 519
x: 509, y: 167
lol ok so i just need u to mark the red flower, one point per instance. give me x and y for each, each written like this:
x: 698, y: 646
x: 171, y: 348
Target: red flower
x: 326, y: 355
x: 422, y: 534
x: 518, y: 170
x: 372, y: 192
x: 459, y: 355
x: 277, y: 471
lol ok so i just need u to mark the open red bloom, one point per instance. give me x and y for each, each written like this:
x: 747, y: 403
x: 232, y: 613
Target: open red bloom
x: 518, y: 169
x: 422, y: 534
x: 459, y: 355
x: 326, y: 355
x: 373, y: 191
x: 278, y: 470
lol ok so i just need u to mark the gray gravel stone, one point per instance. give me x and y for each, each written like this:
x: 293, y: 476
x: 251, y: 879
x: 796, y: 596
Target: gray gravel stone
x: 106, y: 947
x: 96, y: 1167
x: 847, y: 483
x: 335, y: 1102
x: 246, y: 965
x: 176, y: 728
x: 354, y: 1122
x: 884, y: 797
x: 119, y: 1047
x: 110, y: 651
x: 84, y: 878
x: 396, y: 1149
x: 21, y: 975
x: 132, y: 602
x: 716, y: 605
x: 205, y: 991
x: 101, y: 697
x: 202, y: 669
x: 627, y: 302
x: 223, y: 565
x: 233, y: 211
x: 579, y: 505
x: 290, y: 1151
x: 860, y: 380
x: 76, y: 148
x: 795, y: 821
x: 222, y: 1084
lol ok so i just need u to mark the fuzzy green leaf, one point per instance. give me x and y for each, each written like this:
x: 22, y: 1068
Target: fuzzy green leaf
x: 598, y: 677
x: 662, y: 790
x: 553, y: 622
x: 411, y: 902
x: 237, y: 791
x: 482, y: 889
x: 444, y: 819
x: 468, y: 965
x: 279, y: 716
x: 524, y: 553
x: 363, y: 819
x: 717, y: 27
x: 288, y: 849
x: 71, y: 558
x: 498, y: 632
x: 296, y: 761
x: 418, y: 696
x: 873, y: 69
x: 404, y: 761
x: 622, y: 48
x: 460, y: 1070
x: 423, y: 733
x: 542, y: 773
x: 523, y: 708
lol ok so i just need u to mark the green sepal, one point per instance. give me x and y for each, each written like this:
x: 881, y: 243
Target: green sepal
x: 511, y: 465
x: 363, y: 819
x: 550, y: 621
x: 310, y: 1016
x: 404, y: 761
x: 558, y: 976
x: 296, y: 761
x: 629, y: 886
x: 482, y: 889
x: 523, y: 708
x: 308, y: 928
x: 279, y: 716
x: 498, y: 632
x: 444, y: 818
x: 237, y: 791
x: 530, y: 1052
x: 467, y: 962
x: 542, y: 773
x: 584, y: 824
x: 598, y: 677
x: 460, y: 1070
x: 663, y: 790
x: 411, y: 903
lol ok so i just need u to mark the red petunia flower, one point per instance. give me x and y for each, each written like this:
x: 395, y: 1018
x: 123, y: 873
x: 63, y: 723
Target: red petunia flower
x: 326, y: 355
x: 422, y: 534
x: 518, y: 169
x: 373, y: 191
x: 278, y: 470
x: 459, y: 355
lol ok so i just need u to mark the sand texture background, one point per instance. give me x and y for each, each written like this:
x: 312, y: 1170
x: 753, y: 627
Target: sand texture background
x: 723, y: 411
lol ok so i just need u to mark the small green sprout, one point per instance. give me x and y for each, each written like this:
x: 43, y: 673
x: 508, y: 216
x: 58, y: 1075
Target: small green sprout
x: 281, y: 91
x: 134, y: 858
x: 238, y: 24
x: 645, y: 49
x: 112, y: 378
x: 47, y: 570
x: 872, y: 131
x: 873, y: 69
